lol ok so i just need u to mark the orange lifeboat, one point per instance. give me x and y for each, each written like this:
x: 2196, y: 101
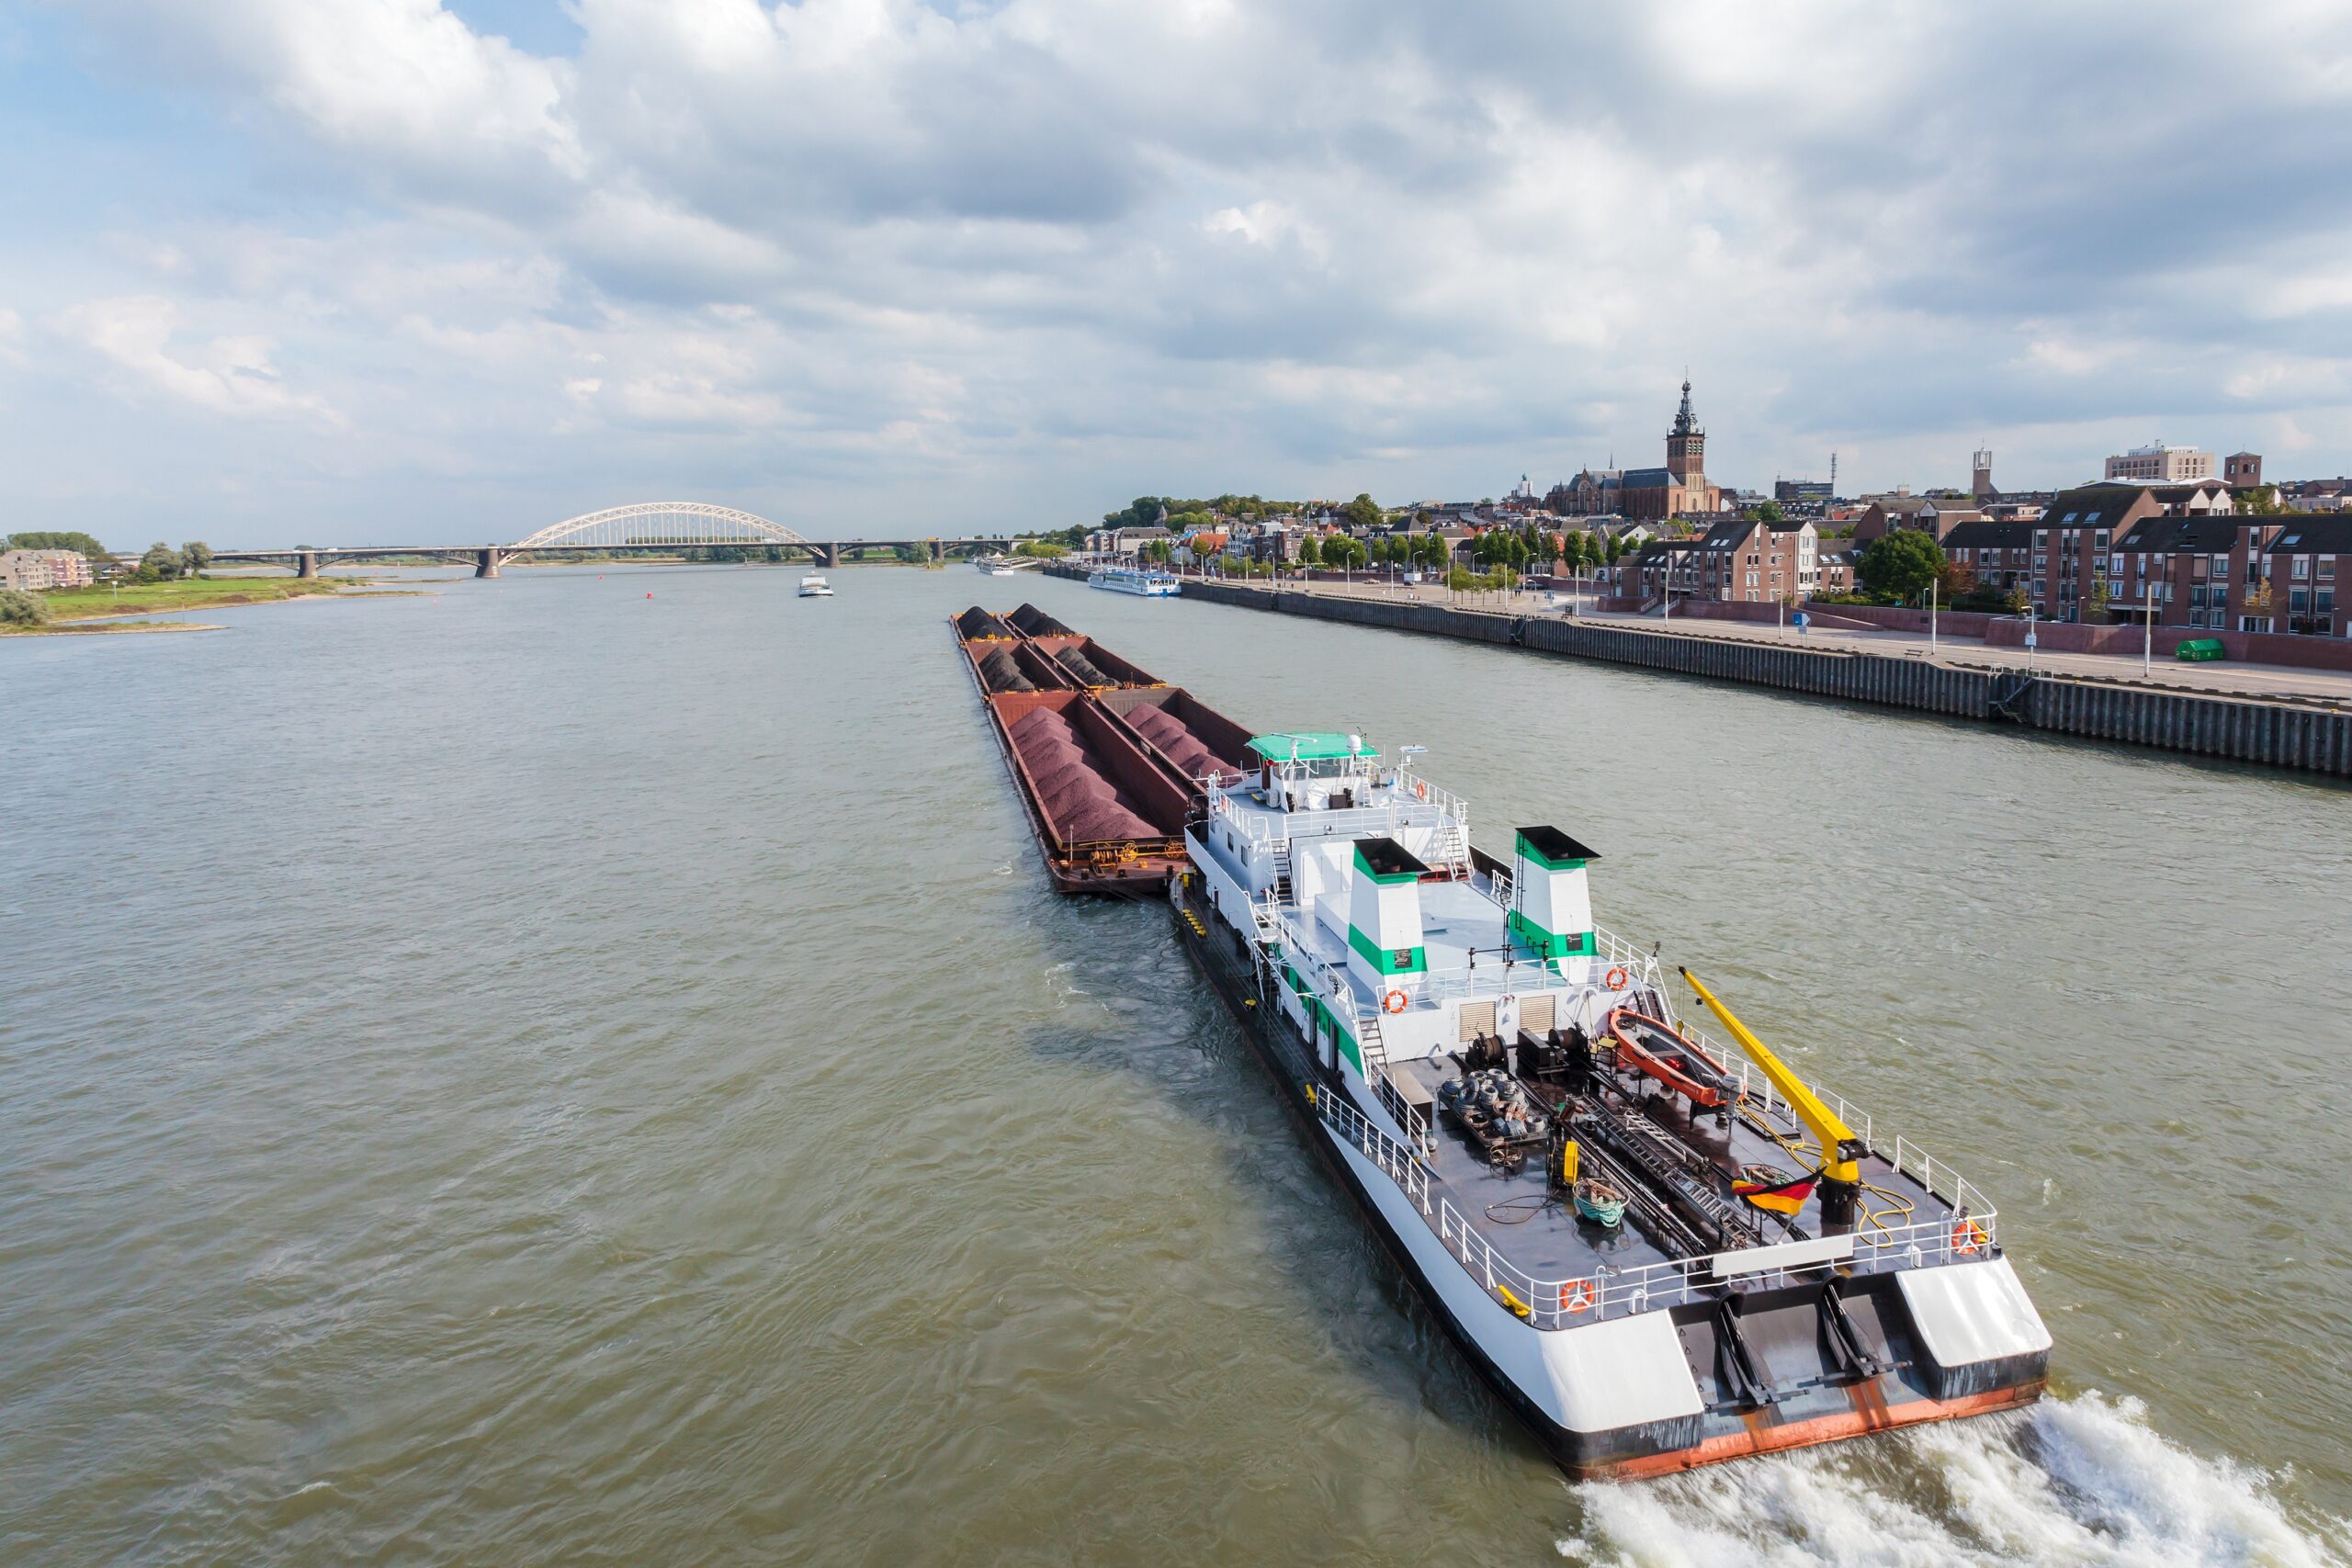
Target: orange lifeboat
x: 1658, y: 1049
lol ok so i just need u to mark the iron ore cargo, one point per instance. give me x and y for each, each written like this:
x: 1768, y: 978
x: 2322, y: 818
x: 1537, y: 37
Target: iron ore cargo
x: 1106, y: 756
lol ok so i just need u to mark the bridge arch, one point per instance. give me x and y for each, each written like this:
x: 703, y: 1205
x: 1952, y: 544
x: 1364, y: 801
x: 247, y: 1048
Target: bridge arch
x: 649, y: 522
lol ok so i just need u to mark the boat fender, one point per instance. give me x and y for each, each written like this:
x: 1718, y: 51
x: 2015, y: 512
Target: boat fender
x: 1393, y: 1002
x: 1616, y: 979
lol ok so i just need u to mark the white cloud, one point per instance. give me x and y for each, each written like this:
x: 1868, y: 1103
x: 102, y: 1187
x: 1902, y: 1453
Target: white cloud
x: 231, y: 375
x: 1056, y: 253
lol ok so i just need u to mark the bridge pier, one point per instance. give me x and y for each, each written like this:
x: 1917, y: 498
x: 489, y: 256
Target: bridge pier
x: 831, y: 558
x: 486, y: 560
x: 306, y: 564
x: 938, y: 551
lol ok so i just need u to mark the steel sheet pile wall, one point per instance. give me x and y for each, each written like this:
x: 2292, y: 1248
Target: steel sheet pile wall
x: 2280, y: 734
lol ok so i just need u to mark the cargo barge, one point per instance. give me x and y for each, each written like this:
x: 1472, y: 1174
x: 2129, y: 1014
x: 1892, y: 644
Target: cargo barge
x: 1659, y: 1251
x: 1105, y: 756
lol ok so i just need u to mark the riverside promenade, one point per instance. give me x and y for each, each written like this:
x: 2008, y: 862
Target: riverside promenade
x: 2298, y: 719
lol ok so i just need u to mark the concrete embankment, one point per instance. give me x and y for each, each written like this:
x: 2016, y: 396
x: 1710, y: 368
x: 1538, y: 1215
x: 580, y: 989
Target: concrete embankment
x: 2281, y: 734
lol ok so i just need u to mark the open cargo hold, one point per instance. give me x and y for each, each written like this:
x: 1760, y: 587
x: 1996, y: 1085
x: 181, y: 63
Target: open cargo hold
x: 1007, y: 668
x: 1193, y: 737
x: 1095, y: 667
x: 1030, y: 621
x: 977, y: 625
x: 1107, y: 776
x: 1109, y: 819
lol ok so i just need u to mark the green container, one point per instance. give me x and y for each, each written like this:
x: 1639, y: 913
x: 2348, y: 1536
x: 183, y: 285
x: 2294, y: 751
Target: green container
x: 2200, y: 647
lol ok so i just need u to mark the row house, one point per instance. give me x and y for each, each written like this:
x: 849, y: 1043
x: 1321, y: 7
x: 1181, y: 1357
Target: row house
x: 1997, y: 555
x: 1936, y: 514
x: 2309, y: 556
x: 1738, y: 559
x: 2072, y: 554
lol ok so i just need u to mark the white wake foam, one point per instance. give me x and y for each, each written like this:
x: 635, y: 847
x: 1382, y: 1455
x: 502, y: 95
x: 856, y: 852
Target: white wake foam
x: 2076, y: 1481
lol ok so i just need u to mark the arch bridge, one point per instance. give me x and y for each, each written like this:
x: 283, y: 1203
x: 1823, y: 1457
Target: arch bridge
x: 651, y: 526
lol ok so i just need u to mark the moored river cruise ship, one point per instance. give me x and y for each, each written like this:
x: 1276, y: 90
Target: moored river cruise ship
x: 1132, y: 580
x: 1660, y: 1250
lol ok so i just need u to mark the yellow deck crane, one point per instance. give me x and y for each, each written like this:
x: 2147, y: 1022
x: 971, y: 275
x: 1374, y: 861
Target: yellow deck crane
x: 1841, y: 1151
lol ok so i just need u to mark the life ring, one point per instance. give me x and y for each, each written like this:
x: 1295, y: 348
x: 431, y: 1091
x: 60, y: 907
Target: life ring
x: 1577, y: 1296
x: 1420, y: 790
x: 1967, y: 1235
x: 1616, y: 979
x: 1394, y: 1001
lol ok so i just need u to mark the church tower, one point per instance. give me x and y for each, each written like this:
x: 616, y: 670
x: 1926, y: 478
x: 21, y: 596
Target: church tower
x: 1686, y: 446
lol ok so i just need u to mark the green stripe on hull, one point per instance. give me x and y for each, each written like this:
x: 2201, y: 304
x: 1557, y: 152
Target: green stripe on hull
x: 1581, y: 944
x: 1388, y: 961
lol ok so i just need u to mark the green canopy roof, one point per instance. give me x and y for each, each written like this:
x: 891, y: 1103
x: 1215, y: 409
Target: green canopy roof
x: 1309, y: 746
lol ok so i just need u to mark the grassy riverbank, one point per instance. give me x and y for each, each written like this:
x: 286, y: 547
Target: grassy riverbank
x: 70, y: 605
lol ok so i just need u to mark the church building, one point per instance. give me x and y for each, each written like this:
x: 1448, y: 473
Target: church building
x: 1679, y: 490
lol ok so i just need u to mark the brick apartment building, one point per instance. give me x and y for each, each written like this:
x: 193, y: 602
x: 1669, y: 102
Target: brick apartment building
x: 1937, y: 515
x: 1738, y: 559
x: 2206, y: 570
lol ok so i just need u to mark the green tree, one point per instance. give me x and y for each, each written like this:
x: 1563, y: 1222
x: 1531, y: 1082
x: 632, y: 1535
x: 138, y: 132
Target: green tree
x: 21, y: 609
x: 56, y: 540
x: 1767, y: 511
x: 1900, y: 564
x: 1309, y: 552
x: 160, y: 564
x: 1362, y: 512
x: 2260, y: 501
x: 197, y: 557
x: 1340, y: 551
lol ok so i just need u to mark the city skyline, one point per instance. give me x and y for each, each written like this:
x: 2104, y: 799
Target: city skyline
x: 351, y: 271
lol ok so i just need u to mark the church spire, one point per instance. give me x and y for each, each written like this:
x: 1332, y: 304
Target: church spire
x: 1683, y: 422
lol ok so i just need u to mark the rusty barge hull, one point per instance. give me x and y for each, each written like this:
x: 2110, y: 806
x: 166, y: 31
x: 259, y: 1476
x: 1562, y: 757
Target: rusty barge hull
x: 1106, y: 798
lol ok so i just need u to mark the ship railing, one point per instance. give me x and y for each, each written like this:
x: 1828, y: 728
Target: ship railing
x: 1421, y: 788
x: 1498, y: 977
x: 1940, y: 1178
x: 1401, y: 1164
x: 1610, y: 1292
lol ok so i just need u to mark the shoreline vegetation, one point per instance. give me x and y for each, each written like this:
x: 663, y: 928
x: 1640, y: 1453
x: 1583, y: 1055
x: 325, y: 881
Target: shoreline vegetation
x: 101, y: 608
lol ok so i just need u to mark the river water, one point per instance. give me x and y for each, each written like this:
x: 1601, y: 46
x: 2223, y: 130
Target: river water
x: 587, y: 1067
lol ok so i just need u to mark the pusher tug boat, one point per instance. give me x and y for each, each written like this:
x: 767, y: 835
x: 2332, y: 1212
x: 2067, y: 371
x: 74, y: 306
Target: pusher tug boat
x: 1495, y: 1077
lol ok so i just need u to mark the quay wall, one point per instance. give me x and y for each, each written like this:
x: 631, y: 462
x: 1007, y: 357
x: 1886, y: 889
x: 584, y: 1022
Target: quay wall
x: 2281, y: 734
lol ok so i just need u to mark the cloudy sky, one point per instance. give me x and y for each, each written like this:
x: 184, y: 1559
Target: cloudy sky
x: 343, y: 270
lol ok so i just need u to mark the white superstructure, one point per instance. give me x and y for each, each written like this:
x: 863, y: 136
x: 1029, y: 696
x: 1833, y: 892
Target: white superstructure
x: 1391, y: 969
x: 1129, y: 579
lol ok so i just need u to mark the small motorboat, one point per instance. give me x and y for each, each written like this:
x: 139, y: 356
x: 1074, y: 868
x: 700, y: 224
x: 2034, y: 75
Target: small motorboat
x: 1660, y: 1051
x: 1600, y: 1202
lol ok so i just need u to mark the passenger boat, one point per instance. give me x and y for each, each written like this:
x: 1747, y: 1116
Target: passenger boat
x: 1655, y: 1048
x: 815, y: 587
x: 1398, y: 983
x: 1129, y: 579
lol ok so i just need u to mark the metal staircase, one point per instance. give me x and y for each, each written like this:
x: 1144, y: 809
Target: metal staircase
x: 1282, y: 894
x: 1454, y: 849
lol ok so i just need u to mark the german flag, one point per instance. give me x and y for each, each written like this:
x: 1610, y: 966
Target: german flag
x: 1770, y: 1186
